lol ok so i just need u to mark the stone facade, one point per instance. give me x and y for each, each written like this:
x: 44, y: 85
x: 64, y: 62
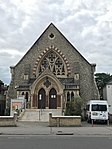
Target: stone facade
x: 52, y: 72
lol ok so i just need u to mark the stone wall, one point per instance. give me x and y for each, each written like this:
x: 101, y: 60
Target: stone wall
x: 8, y: 121
x: 64, y: 121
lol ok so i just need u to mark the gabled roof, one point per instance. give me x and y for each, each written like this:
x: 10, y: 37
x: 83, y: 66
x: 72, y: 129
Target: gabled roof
x: 52, y: 25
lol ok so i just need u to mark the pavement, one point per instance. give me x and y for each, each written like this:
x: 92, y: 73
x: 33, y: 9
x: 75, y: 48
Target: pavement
x: 42, y: 128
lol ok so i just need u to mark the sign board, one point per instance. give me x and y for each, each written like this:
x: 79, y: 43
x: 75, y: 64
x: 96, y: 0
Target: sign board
x: 17, y: 105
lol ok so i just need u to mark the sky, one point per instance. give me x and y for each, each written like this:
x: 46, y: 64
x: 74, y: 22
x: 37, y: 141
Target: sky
x: 87, y: 24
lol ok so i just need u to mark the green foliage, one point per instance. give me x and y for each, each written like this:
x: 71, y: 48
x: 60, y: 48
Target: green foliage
x: 1, y: 82
x: 74, y: 107
x: 102, y: 79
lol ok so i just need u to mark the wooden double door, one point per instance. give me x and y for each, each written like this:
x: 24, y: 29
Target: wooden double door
x: 52, y: 99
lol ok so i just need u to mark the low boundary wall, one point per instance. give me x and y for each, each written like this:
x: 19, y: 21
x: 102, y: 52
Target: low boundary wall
x: 67, y: 121
x: 8, y: 121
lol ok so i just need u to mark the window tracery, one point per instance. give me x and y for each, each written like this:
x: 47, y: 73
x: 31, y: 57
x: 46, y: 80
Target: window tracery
x: 54, y: 63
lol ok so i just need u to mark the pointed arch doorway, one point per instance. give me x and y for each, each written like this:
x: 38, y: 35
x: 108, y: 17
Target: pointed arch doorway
x: 52, y: 99
x: 41, y: 99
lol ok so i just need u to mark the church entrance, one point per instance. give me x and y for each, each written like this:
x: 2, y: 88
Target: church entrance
x: 41, y: 99
x: 46, y: 96
x: 52, y: 99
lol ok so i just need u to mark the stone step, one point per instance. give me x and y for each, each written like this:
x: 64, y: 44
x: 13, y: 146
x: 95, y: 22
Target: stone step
x: 39, y: 114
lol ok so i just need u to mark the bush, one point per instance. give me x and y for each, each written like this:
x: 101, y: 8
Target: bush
x: 74, y: 107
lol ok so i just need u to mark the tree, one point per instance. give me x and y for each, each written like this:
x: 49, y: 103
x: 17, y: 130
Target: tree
x: 101, y: 80
x: 1, y: 87
x: 74, y: 107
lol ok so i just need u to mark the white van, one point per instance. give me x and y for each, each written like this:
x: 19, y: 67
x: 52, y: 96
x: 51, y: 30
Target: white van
x: 97, y: 110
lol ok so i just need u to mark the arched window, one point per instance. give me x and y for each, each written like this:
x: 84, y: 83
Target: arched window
x: 22, y: 93
x: 54, y: 63
x: 72, y: 96
x: 68, y: 96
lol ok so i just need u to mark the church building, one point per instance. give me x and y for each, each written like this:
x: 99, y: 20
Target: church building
x: 51, y: 73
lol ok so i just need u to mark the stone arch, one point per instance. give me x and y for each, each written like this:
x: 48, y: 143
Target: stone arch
x: 40, y: 83
x: 61, y: 57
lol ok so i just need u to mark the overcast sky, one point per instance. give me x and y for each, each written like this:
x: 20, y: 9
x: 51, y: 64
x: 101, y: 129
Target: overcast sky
x: 87, y: 24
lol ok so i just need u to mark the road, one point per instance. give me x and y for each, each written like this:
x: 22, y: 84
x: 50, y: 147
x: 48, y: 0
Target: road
x: 55, y: 142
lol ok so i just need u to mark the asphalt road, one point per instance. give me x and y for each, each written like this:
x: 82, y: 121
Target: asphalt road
x: 55, y: 142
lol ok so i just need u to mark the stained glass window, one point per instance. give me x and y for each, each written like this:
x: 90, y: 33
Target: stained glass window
x: 54, y: 63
